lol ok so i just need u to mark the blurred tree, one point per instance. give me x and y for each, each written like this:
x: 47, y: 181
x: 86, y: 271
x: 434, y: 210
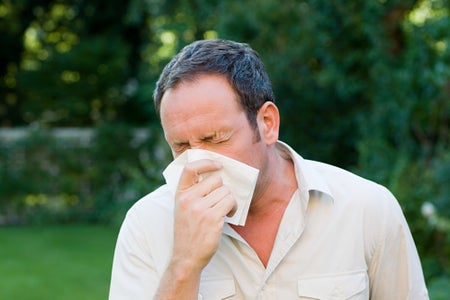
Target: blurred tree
x: 321, y: 55
x: 77, y: 63
x: 364, y: 85
x: 14, y: 20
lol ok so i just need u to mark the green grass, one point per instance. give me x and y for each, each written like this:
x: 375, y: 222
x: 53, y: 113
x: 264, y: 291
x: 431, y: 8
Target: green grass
x: 73, y: 262
x: 56, y: 262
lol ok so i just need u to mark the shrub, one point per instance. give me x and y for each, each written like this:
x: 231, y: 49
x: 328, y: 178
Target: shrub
x: 50, y: 177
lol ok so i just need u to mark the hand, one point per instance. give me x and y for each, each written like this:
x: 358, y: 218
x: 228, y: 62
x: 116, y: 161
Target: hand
x: 201, y: 204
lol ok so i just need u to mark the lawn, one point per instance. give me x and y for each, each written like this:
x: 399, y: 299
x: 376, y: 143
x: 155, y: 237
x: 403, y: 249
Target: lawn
x: 73, y: 262
x: 56, y: 262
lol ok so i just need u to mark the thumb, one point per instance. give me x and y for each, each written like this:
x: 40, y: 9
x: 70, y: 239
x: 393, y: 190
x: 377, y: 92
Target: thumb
x: 192, y: 172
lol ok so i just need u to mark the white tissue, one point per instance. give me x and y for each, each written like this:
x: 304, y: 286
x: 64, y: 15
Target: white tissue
x: 240, y: 178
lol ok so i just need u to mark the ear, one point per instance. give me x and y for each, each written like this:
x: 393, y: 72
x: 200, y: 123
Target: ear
x: 269, y: 122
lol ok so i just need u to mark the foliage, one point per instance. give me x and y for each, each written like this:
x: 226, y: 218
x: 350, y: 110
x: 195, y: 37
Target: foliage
x: 363, y: 85
x: 45, y: 179
x: 405, y: 135
x: 76, y: 63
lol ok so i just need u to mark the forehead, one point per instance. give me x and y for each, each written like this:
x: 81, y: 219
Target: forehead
x: 210, y: 90
x: 203, y: 80
x: 206, y: 104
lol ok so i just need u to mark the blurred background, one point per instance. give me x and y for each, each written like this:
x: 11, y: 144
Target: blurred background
x: 364, y: 85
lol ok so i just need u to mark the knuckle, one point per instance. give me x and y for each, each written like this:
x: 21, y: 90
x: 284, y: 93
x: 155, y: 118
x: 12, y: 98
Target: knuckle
x: 197, y: 210
x: 184, y: 200
x: 217, y: 180
x: 190, y: 169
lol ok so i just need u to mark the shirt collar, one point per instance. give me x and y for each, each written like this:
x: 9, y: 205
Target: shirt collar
x: 308, y: 178
x: 309, y: 181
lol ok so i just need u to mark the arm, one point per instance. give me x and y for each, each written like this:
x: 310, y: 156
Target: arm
x: 395, y: 271
x: 150, y: 239
x: 200, y: 208
x: 135, y: 273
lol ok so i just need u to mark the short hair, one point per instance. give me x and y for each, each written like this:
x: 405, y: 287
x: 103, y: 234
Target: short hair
x: 238, y: 62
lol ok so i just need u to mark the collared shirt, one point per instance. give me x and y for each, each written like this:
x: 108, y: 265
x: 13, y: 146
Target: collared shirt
x: 341, y: 237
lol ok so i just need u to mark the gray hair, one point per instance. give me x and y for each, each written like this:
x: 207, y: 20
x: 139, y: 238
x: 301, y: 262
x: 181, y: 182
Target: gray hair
x: 238, y: 62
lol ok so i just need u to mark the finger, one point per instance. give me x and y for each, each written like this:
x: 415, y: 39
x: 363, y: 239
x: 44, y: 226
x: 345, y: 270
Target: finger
x: 216, y: 196
x: 198, y: 197
x: 207, y: 185
x: 233, y: 209
x: 224, y: 194
x: 211, y: 200
x: 227, y: 206
x: 193, y: 170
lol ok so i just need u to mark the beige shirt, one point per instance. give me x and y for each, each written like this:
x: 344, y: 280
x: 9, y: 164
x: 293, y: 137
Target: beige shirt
x: 341, y: 237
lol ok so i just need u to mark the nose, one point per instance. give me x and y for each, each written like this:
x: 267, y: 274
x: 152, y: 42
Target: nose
x: 201, y: 146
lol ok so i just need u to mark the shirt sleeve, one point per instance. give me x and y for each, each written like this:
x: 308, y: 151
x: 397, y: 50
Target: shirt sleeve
x: 395, y: 270
x: 134, y: 273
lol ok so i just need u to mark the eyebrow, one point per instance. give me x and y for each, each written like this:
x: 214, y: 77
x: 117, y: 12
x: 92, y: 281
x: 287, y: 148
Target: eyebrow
x: 216, y: 135
x: 209, y: 137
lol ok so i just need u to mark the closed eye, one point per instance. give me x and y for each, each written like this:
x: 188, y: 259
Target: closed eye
x: 180, y: 147
x: 215, y: 138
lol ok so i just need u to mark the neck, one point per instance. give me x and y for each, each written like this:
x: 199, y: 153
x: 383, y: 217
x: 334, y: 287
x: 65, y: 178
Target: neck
x: 275, y: 186
x: 274, y: 190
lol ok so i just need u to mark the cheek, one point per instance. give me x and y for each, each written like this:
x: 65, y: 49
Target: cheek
x: 254, y: 156
x: 241, y: 153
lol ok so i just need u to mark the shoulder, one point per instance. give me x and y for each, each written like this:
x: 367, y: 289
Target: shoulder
x: 347, y: 186
x: 150, y: 218
x: 342, y: 185
x: 372, y: 203
x: 143, y: 245
x: 153, y: 207
x: 359, y: 198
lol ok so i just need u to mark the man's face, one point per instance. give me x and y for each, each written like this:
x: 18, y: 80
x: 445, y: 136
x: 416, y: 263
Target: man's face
x: 205, y: 114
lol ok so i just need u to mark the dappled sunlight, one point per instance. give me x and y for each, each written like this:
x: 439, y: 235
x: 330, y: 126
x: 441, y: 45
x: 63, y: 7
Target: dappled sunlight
x: 426, y: 10
x: 168, y: 47
x: 211, y: 34
x: 70, y: 76
x: 5, y: 8
x: 48, y: 33
x: 363, y: 85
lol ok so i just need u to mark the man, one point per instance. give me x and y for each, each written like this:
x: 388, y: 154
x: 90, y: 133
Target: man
x: 312, y: 230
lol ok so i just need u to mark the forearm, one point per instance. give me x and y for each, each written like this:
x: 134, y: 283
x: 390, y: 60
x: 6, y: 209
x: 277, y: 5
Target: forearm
x: 180, y: 281
x: 200, y: 208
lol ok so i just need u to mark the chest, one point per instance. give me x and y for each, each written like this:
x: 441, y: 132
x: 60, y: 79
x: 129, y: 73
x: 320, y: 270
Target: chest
x: 301, y: 256
x: 260, y: 234
x: 293, y: 271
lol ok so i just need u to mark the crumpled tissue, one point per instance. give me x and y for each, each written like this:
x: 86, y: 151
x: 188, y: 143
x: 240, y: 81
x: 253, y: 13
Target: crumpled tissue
x: 240, y: 178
